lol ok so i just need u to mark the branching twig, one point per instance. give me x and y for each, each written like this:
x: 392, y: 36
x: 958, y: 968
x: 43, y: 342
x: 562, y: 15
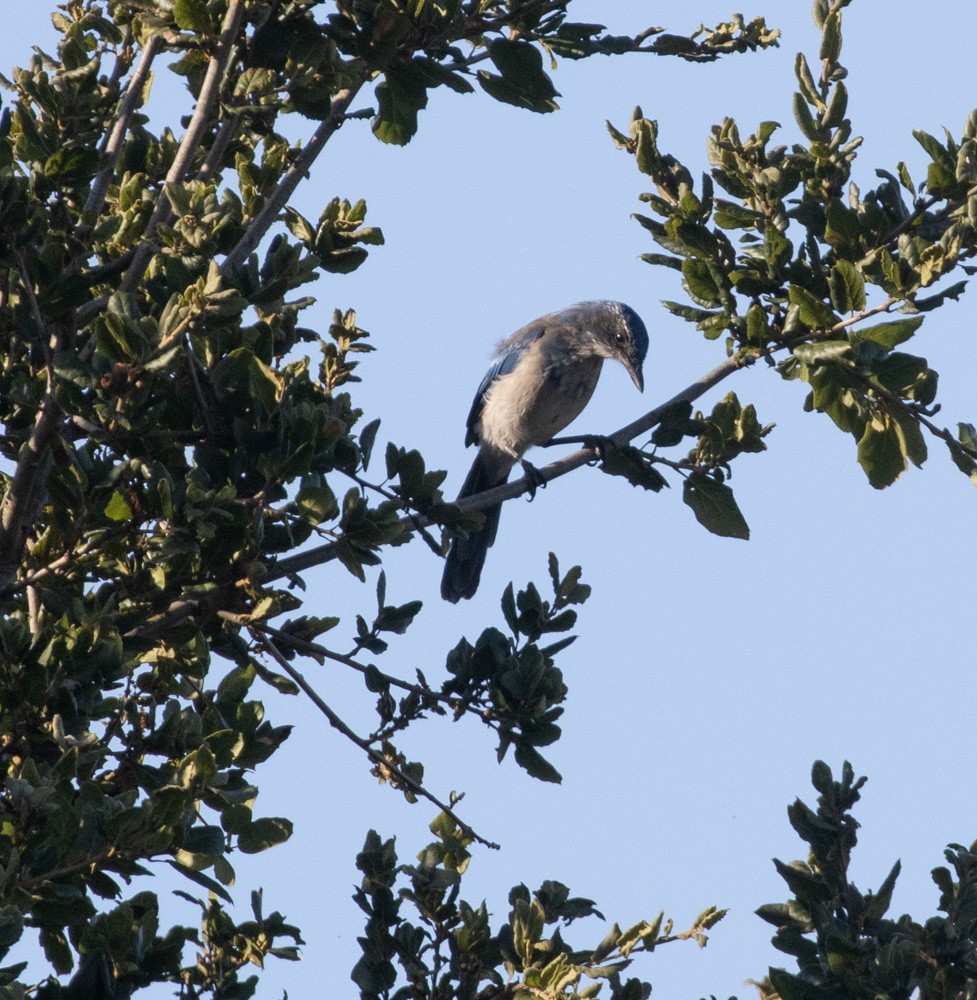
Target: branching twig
x: 199, y: 123
x: 316, y: 649
x: 337, y: 723
x: 221, y: 141
x: 268, y: 215
x: 114, y: 141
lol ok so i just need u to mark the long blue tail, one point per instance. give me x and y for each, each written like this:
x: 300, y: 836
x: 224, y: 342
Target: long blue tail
x: 463, y: 566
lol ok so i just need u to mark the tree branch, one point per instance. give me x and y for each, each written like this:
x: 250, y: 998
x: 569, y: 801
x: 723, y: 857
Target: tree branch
x: 316, y: 649
x: 337, y: 723
x: 114, y: 141
x: 199, y: 123
x: 27, y: 491
x: 508, y: 491
x: 268, y: 215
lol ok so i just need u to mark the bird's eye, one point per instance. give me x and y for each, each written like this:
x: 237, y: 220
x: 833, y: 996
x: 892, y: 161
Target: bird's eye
x: 619, y: 337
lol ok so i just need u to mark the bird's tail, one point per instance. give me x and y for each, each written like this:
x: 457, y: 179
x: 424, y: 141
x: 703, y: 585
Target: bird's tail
x: 463, y: 566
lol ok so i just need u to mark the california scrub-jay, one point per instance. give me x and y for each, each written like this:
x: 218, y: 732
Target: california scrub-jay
x: 541, y: 378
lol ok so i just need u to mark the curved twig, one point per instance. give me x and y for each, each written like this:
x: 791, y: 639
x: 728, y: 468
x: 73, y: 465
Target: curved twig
x: 199, y: 123
x: 337, y: 723
x: 114, y: 141
x: 269, y: 213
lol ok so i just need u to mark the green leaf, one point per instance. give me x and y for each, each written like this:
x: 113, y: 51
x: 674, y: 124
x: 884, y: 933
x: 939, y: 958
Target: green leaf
x: 805, y: 80
x: 317, y: 504
x: 889, y: 335
x: 814, y: 313
x: 877, y: 903
x: 847, y: 287
x: 372, y: 975
x: 674, y: 424
x: 299, y: 226
x: 911, y: 439
x: 265, y: 833
x: 367, y: 438
x: 56, y: 949
x: 806, y: 122
x: 400, y: 96
x: 837, y: 106
x: 536, y: 765
x: 729, y: 215
x: 961, y: 458
x: 211, y: 885
x: 523, y: 81
x: 204, y: 840
x: 831, y: 37
x: 118, y: 509
x: 191, y: 15
x: 880, y: 451
x: 699, y: 282
x: 634, y: 466
x: 821, y: 352
x: 907, y: 375
x: 843, y: 230
x: 714, y: 507
x: 936, y: 150
x: 806, y: 885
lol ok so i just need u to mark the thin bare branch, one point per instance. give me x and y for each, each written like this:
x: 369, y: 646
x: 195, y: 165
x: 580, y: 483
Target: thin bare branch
x: 221, y: 141
x: 375, y: 755
x: 201, y: 121
x: 113, y: 144
x: 268, y: 215
x: 325, y: 553
x: 316, y: 649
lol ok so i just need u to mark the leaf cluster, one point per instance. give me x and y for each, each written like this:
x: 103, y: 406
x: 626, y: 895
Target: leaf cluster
x: 511, y: 682
x: 782, y: 255
x: 450, y: 948
x: 842, y: 939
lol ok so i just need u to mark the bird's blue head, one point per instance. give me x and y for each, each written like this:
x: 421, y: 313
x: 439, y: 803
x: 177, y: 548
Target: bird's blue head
x: 620, y: 334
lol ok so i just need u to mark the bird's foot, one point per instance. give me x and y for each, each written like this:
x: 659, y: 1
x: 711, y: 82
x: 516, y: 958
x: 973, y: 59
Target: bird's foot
x: 534, y: 478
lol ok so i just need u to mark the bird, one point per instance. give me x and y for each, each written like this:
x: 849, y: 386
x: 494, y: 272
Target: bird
x: 540, y: 379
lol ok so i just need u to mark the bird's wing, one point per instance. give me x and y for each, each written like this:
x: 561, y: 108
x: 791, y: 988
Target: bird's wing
x: 506, y: 359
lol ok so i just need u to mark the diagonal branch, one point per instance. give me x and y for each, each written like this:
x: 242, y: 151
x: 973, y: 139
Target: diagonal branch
x: 317, y: 650
x: 199, y: 124
x: 337, y: 723
x: 508, y: 491
x: 268, y: 215
x: 115, y: 140
x: 27, y: 491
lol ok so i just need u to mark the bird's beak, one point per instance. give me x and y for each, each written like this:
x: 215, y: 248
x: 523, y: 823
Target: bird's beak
x: 634, y: 370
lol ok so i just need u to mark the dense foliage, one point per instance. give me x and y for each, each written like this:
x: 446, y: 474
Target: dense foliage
x: 173, y: 461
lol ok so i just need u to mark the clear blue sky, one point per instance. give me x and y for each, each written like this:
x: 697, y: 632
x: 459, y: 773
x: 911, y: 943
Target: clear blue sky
x: 709, y: 673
